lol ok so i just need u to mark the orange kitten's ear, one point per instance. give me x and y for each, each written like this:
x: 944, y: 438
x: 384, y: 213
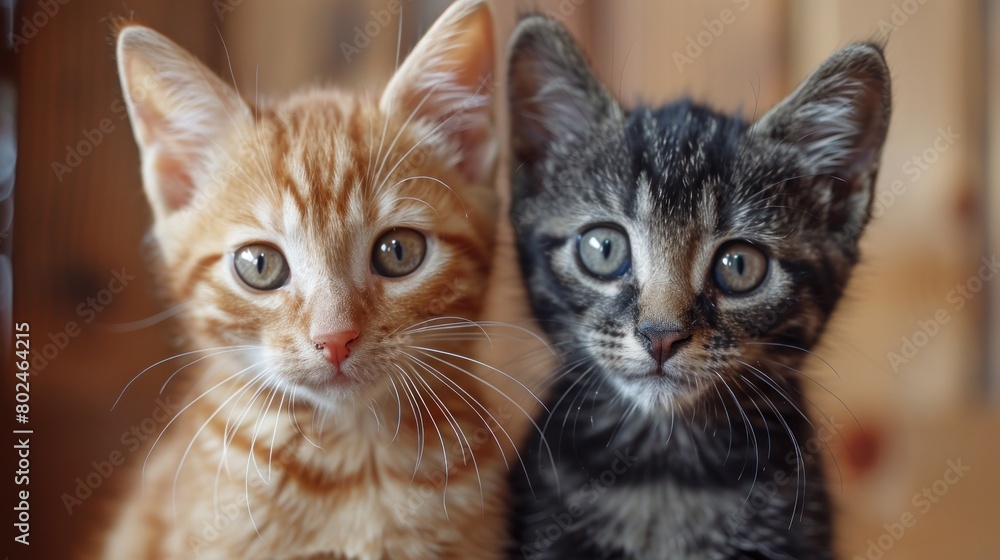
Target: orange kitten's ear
x: 447, y: 82
x: 182, y: 115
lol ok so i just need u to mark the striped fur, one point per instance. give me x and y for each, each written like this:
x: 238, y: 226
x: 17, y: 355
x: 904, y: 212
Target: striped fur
x: 705, y: 457
x: 273, y: 459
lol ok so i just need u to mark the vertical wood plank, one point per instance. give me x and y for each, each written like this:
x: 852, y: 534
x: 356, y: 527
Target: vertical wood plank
x: 991, y: 65
x: 81, y: 218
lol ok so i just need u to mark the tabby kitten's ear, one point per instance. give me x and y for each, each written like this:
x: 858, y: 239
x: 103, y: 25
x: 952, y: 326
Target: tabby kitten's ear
x: 181, y: 113
x: 447, y: 82
x: 553, y: 93
x: 837, y: 121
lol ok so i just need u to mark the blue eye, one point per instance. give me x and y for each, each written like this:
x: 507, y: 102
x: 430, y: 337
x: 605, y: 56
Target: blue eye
x: 604, y: 252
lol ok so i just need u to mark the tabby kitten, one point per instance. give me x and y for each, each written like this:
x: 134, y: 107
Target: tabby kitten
x: 684, y: 261
x: 317, y: 246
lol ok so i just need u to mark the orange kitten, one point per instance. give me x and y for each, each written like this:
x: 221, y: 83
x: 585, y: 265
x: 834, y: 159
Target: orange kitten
x: 320, y: 246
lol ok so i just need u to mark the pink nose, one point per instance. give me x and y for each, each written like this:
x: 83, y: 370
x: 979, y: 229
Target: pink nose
x: 336, y: 346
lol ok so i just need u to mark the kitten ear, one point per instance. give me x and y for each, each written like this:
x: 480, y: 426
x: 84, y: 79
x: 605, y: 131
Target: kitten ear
x: 181, y: 113
x: 837, y: 121
x: 447, y: 81
x: 553, y: 92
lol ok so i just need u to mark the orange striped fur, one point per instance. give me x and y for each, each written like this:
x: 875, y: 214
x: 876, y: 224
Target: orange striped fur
x: 277, y: 457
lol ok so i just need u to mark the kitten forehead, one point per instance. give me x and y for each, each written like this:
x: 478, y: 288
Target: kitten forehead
x: 334, y: 161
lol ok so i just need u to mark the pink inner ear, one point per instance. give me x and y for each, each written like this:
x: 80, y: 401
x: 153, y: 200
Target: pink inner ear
x: 476, y: 135
x: 176, y: 185
x: 447, y: 81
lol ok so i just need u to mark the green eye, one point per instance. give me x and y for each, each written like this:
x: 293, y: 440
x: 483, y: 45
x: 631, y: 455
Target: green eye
x: 604, y: 252
x: 398, y: 252
x: 740, y: 268
x: 261, y: 267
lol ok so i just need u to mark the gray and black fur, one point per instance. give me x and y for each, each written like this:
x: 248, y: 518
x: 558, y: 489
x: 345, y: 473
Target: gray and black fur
x: 697, y: 447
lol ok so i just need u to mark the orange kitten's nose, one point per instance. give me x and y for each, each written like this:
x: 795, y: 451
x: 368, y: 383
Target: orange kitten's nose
x: 336, y: 346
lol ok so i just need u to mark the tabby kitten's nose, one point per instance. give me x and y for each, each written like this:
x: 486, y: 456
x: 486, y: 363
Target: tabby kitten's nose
x: 335, y: 346
x: 662, y: 341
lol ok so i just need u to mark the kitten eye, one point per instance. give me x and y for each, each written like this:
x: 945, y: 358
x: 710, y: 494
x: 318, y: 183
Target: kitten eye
x: 399, y: 252
x: 604, y: 252
x: 261, y: 267
x: 740, y: 268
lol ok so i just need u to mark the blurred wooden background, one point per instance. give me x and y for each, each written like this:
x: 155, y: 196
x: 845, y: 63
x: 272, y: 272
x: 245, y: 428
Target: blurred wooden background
x: 74, y: 229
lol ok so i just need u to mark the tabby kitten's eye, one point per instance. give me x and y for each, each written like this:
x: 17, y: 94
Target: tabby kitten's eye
x: 261, y: 267
x: 740, y: 268
x: 398, y: 252
x: 604, y: 252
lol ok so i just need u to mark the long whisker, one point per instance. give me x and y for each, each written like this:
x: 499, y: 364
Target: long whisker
x: 378, y: 423
x: 223, y: 457
x: 185, y: 366
x: 229, y: 433
x: 460, y: 391
x: 190, y: 445
x: 792, y: 347
x: 448, y: 416
x: 246, y: 485
x: 594, y: 379
x: 399, y: 407
x: 148, y: 321
x: 403, y: 381
x: 800, y: 458
x: 165, y: 360
x: 485, y: 324
x: 729, y: 422
x: 487, y: 366
x: 444, y: 454
x: 427, y: 136
x: 274, y: 435
x: 406, y: 124
x: 747, y: 425
x: 784, y: 394
x: 516, y: 404
x: 189, y: 405
x: 293, y: 418
x: 821, y: 386
x: 261, y: 416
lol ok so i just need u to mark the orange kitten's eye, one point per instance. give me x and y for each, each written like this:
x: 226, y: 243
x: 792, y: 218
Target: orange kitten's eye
x: 398, y: 252
x: 261, y: 267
